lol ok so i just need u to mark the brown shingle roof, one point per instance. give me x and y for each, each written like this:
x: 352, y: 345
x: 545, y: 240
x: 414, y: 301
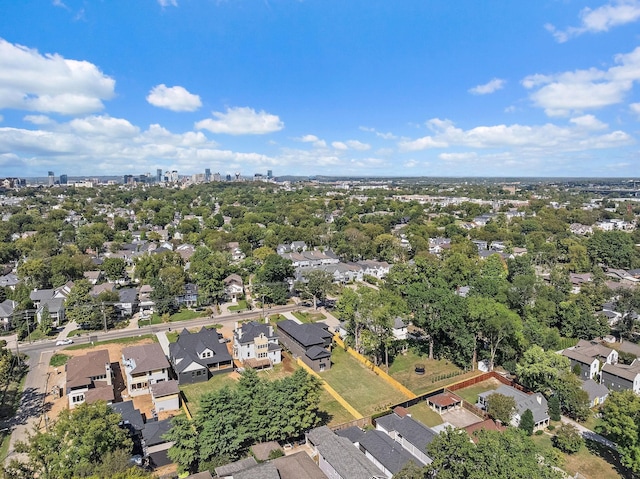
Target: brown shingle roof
x: 81, y: 368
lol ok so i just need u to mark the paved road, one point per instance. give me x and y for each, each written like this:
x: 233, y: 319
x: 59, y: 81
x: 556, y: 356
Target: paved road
x: 589, y: 434
x: 30, y: 412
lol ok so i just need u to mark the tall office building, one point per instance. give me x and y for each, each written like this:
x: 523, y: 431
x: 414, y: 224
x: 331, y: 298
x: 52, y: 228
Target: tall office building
x: 159, y: 175
x: 207, y: 175
x: 64, y: 179
x: 52, y: 179
x: 269, y: 174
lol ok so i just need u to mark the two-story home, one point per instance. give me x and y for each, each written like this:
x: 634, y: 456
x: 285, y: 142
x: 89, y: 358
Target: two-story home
x: 89, y: 378
x: 196, y: 356
x: 189, y: 296
x: 233, y: 287
x: 311, y: 342
x: 412, y: 435
x: 7, y: 307
x: 618, y: 377
x: 256, y: 345
x: 144, y: 365
x: 51, y: 300
x: 589, y: 355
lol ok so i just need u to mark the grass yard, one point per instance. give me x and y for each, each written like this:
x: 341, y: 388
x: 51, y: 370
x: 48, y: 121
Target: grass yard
x: 193, y: 392
x: 336, y: 414
x: 182, y: 315
x: 131, y: 340
x: 58, y: 360
x: 470, y: 394
x: 275, y: 318
x: 359, y: 386
x: 308, y: 317
x: 436, y: 371
x: 593, y: 461
x: 423, y: 413
x: 241, y: 306
x: 10, y: 396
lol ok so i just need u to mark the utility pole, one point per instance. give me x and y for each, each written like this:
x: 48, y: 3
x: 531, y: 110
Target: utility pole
x: 104, y: 316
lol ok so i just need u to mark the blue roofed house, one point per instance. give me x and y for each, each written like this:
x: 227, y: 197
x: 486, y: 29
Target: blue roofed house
x: 196, y: 356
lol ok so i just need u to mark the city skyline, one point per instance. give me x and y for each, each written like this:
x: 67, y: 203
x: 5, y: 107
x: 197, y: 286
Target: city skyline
x: 410, y: 88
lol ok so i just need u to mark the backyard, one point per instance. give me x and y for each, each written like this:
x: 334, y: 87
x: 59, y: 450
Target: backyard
x: 423, y: 413
x: 470, y: 394
x: 437, y: 374
x: 359, y: 386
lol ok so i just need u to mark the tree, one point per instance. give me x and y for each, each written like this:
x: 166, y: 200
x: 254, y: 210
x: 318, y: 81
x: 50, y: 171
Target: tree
x: 185, y: 451
x: 554, y: 408
x: 114, y: 268
x: 46, y: 323
x: 568, y: 439
x: 501, y: 407
x: 318, y: 284
x: 272, y: 276
x: 410, y: 471
x: 526, y: 422
x: 81, y: 306
x: 539, y: 370
x: 574, y: 401
x: 77, y: 443
x: 621, y: 423
x: 613, y: 248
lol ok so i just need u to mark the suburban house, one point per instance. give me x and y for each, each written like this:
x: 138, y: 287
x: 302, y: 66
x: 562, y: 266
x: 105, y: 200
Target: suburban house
x: 165, y: 396
x: 196, y: 356
x: 389, y: 456
x: 132, y: 419
x: 378, y: 269
x: 409, y: 433
x: 589, y: 366
x: 400, y: 329
x: 256, y: 345
x: 588, y: 355
x: 618, y: 377
x: 534, y: 402
x: 236, y: 252
x: 311, y: 342
x: 7, y: 307
x: 51, y: 299
x: 597, y: 392
x: 154, y: 446
x: 189, y: 296
x: 295, y: 246
x: 337, y: 457
x: 127, y: 301
x: 143, y: 366
x: 89, y: 378
x: 233, y: 287
x: 9, y: 281
x: 93, y: 276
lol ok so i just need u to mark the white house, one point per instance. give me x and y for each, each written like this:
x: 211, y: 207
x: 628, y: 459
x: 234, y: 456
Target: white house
x: 143, y: 366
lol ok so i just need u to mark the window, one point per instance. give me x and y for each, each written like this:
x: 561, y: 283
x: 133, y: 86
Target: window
x: 77, y: 399
x: 262, y: 355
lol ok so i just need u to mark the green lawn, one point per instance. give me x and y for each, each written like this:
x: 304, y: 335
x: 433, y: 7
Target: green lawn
x: 275, y: 318
x: 58, y: 360
x: 241, y: 306
x: 470, y: 394
x: 308, y: 317
x: 172, y: 336
x: 403, y: 370
x: 592, y: 461
x: 193, y: 392
x: 10, y: 396
x: 335, y: 413
x: 78, y: 332
x: 36, y: 335
x: 182, y: 315
x: 132, y: 340
x: 359, y: 386
x: 423, y: 413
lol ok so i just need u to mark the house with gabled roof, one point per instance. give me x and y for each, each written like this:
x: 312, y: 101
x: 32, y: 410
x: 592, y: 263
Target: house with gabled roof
x: 7, y: 307
x: 534, y: 402
x: 311, y: 342
x: 89, y: 378
x: 597, y: 392
x: 412, y: 435
x: 589, y: 355
x: 144, y: 365
x: 233, y: 287
x: 337, y: 457
x: 256, y: 345
x: 619, y: 377
x: 196, y: 356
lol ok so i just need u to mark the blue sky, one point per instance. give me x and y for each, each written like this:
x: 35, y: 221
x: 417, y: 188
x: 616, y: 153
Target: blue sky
x: 328, y: 87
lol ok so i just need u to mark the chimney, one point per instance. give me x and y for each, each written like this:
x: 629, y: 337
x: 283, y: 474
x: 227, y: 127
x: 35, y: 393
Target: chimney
x: 539, y: 398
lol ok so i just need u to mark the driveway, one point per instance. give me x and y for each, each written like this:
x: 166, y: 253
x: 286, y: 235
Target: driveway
x: 589, y: 434
x: 460, y: 417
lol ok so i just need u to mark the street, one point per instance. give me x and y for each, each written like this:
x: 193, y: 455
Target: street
x: 30, y: 413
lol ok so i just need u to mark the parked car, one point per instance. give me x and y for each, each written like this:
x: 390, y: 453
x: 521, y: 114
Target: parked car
x: 64, y: 342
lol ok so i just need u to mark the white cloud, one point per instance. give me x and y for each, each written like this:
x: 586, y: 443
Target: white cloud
x: 384, y: 136
x: 635, y: 108
x: 493, y: 85
x: 168, y: 3
x: 104, y: 126
x: 600, y: 19
x: 59, y: 3
x: 317, y: 142
x: 241, y: 121
x: 410, y: 164
x: 339, y: 145
x: 358, y: 145
x: 50, y: 83
x: 532, y: 138
x: 38, y: 119
x: 174, y: 98
x: 458, y: 156
x: 578, y: 90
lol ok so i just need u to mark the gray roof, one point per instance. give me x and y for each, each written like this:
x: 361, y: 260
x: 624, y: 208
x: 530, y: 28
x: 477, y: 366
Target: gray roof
x: 265, y: 470
x: 234, y: 467
x: 628, y: 372
x: 7, y: 307
x: 249, y: 331
x: 146, y: 357
x: 41, y: 294
x: 594, y: 389
x: 387, y: 451
x: 189, y: 346
x: 347, y: 460
x: 298, y: 466
x: 307, y: 334
x: 9, y: 280
x: 165, y: 388
x: 353, y: 433
x: 130, y: 415
x: 154, y: 430
x: 128, y: 295
x: 316, y: 352
x: 411, y: 430
x: 535, y: 402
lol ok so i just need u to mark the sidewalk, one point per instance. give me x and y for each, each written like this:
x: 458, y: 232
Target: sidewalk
x: 70, y: 326
x: 164, y: 342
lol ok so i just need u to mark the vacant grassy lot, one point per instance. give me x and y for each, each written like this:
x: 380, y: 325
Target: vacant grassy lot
x: 470, y: 394
x: 436, y: 371
x: 193, y: 392
x: 131, y: 340
x: 336, y: 414
x: 308, y: 317
x: 58, y: 360
x: 183, y: 315
x: 423, y: 413
x: 359, y: 386
x: 593, y: 461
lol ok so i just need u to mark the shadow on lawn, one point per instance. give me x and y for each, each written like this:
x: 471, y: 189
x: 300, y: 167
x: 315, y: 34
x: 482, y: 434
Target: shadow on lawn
x: 609, y: 455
